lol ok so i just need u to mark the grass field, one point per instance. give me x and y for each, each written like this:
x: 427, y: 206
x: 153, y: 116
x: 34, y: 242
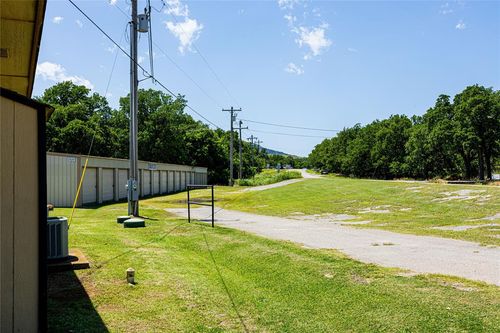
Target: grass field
x: 406, y: 207
x: 192, y: 278
x: 267, y: 177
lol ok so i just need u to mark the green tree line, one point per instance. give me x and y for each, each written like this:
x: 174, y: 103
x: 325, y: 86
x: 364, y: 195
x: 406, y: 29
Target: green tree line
x: 454, y: 139
x: 166, y: 134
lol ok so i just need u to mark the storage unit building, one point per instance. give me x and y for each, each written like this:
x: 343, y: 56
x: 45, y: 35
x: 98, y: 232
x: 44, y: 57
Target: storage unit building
x: 106, y: 178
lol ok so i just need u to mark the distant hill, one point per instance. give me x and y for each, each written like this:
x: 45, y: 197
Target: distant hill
x: 274, y: 152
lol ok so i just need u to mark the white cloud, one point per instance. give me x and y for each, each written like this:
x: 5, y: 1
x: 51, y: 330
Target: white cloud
x: 294, y: 69
x: 351, y: 49
x: 177, y: 8
x: 314, y: 38
x: 57, y: 73
x: 79, y: 23
x: 140, y: 59
x: 290, y: 18
x: 446, y: 9
x: 57, y: 19
x: 287, y: 4
x: 187, y: 32
x: 112, y: 2
x: 460, y: 25
x: 111, y: 49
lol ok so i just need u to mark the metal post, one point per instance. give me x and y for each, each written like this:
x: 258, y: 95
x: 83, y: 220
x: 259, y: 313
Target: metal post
x: 241, y: 158
x: 213, y: 206
x: 133, y: 198
x: 189, y: 207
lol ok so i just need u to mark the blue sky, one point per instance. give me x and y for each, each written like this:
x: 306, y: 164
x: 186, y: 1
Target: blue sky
x: 320, y: 64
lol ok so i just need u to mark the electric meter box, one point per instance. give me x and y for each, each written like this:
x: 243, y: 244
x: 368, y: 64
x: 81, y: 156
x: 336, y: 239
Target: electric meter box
x: 142, y: 23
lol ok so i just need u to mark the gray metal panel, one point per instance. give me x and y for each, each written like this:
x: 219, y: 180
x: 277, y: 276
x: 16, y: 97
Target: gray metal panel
x: 156, y: 182
x: 107, y: 185
x: 122, y: 183
x: 89, y: 187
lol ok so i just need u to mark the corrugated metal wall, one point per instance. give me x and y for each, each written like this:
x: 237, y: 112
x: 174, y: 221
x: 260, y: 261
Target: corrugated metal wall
x: 106, y: 178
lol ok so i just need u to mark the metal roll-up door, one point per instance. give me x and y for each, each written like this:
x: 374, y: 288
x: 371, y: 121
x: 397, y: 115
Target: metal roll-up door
x: 163, y: 181
x: 146, y: 186
x: 108, y: 188
x: 156, y: 182
x: 89, y: 188
x: 183, y: 180
x: 171, y: 187
x: 122, y: 183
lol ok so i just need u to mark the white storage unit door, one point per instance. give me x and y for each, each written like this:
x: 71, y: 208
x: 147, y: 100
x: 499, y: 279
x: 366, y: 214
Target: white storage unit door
x: 163, y: 181
x: 171, y: 175
x: 177, y: 181
x: 183, y: 180
x: 122, y: 183
x: 89, y: 190
x: 156, y: 182
x: 108, y: 188
x: 146, y: 186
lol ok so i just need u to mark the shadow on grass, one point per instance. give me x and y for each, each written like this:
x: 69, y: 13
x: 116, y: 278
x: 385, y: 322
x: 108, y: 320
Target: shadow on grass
x: 69, y: 308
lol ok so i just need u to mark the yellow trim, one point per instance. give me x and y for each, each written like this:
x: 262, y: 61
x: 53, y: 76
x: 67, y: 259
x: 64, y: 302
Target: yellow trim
x: 78, y: 191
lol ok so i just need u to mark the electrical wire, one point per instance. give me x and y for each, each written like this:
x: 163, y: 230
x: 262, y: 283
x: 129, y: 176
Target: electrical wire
x: 219, y: 105
x: 198, y: 51
x: 290, y: 126
x: 290, y: 134
x: 139, y: 65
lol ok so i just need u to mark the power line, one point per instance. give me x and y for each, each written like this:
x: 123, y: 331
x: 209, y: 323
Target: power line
x: 290, y: 126
x: 139, y: 65
x: 205, y: 60
x: 177, y: 65
x: 290, y: 134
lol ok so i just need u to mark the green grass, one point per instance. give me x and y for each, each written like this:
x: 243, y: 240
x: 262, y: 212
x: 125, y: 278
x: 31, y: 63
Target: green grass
x: 269, y: 177
x: 184, y: 273
x: 414, y: 207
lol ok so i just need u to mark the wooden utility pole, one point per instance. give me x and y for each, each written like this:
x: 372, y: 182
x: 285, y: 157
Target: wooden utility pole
x: 241, y: 144
x: 233, y: 118
x: 133, y: 193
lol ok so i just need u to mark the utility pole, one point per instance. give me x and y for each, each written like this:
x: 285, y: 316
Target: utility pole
x: 258, y: 142
x: 233, y: 118
x: 241, y: 159
x: 133, y: 193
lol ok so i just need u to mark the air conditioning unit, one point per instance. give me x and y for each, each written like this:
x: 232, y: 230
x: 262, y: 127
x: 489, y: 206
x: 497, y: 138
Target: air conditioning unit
x: 57, y: 237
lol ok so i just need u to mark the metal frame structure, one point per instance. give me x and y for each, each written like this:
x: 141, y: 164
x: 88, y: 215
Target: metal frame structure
x: 189, y: 202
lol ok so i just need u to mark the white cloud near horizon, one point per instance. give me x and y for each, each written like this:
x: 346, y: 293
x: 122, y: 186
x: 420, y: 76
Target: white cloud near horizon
x: 57, y: 73
x: 57, y: 19
x: 186, y: 31
x: 294, y: 69
x: 79, y: 23
x: 460, y: 25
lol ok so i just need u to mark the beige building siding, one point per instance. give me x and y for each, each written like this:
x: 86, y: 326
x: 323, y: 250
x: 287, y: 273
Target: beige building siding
x: 106, y: 178
x: 19, y: 217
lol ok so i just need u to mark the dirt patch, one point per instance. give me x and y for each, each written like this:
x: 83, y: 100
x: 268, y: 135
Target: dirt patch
x: 376, y: 210
x: 404, y: 209
x: 457, y: 286
x: 489, y: 218
x: 358, y: 279
x: 465, y: 227
x: 327, y: 218
x: 462, y: 195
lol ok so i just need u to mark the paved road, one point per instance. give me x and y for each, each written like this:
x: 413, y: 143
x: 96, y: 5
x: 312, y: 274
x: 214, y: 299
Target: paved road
x: 305, y: 175
x: 421, y: 254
